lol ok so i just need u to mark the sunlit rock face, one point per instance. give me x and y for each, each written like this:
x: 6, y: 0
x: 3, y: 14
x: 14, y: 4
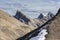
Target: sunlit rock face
x: 41, y: 35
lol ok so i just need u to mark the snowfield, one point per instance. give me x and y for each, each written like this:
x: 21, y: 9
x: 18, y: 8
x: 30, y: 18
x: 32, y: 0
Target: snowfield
x: 41, y: 35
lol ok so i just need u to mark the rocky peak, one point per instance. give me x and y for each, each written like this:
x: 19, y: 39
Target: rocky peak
x: 21, y: 17
x: 50, y: 15
x: 41, y: 16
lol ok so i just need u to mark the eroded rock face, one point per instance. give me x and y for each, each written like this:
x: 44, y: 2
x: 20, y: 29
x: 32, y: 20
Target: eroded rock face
x: 54, y: 28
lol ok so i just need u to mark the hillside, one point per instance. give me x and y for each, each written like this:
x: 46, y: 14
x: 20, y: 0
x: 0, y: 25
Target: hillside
x: 54, y: 28
x: 11, y: 28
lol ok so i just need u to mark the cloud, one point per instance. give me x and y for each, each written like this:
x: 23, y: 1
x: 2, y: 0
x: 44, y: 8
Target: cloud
x: 43, y: 6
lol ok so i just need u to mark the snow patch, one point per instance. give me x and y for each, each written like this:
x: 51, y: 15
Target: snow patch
x: 41, y: 35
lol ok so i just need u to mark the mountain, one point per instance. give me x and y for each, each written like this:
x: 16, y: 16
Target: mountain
x: 41, y: 16
x: 25, y: 19
x: 54, y: 28
x: 11, y: 28
x: 50, y: 15
x: 40, y: 20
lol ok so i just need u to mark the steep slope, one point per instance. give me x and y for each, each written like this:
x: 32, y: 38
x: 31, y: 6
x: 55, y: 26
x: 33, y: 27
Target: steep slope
x: 11, y: 28
x: 39, y: 21
x: 54, y: 28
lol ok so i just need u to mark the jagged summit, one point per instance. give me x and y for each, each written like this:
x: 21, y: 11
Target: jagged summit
x: 41, y: 16
x: 23, y: 18
x: 50, y: 15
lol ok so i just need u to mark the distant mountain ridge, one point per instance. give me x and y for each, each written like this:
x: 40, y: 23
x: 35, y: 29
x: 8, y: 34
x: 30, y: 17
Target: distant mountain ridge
x: 11, y: 28
x: 34, y: 22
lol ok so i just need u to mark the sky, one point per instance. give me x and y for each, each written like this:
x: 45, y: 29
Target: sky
x: 31, y: 8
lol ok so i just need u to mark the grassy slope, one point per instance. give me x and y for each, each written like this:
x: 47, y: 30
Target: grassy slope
x: 11, y: 28
x: 54, y: 29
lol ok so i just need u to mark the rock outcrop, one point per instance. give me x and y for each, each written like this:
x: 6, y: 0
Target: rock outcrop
x: 41, y: 16
x: 54, y: 28
x: 22, y: 17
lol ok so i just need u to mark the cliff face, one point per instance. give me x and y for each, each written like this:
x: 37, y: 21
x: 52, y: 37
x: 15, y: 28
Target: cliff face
x: 11, y: 28
x: 54, y: 28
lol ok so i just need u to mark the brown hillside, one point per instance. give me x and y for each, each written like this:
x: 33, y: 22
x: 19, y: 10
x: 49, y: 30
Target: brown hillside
x: 11, y: 28
x: 54, y: 28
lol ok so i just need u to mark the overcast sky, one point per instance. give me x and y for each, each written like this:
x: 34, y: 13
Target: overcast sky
x: 31, y: 8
